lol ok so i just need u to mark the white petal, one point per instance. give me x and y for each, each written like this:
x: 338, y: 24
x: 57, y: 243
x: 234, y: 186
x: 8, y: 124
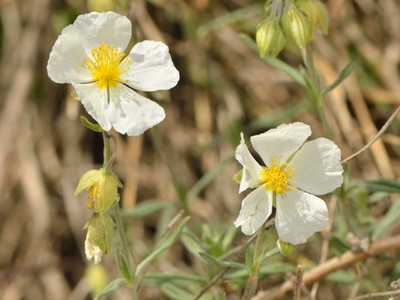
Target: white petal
x: 282, y: 141
x: 95, y: 102
x: 317, y: 167
x: 152, y: 68
x: 251, y: 168
x: 108, y: 27
x: 132, y: 113
x: 256, y: 208
x: 67, y: 58
x: 299, y: 215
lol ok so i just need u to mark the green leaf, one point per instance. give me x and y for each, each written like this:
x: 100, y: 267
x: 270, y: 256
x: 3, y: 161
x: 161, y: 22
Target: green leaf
x: 146, y: 208
x: 90, y: 125
x: 272, y: 268
x: 191, y: 242
x: 342, y: 76
x: 155, y: 279
x: 111, y: 287
x: 391, y: 217
x: 383, y: 185
x: 174, y: 291
x: 341, y: 276
x: 167, y: 243
x: 123, y: 267
x: 223, y: 264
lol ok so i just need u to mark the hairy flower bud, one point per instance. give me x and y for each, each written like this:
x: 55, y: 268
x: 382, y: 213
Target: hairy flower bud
x: 98, y: 238
x: 269, y: 37
x: 295, y: 26
x: 102, y: 186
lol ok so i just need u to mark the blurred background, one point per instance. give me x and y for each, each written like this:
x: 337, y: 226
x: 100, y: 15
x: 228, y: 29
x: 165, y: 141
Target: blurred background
x: 187, y: 161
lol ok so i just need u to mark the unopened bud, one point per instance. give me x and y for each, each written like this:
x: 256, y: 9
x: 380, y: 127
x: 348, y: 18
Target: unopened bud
x: 316, y: 13
x: 269, y: 37
x: 296, y: 27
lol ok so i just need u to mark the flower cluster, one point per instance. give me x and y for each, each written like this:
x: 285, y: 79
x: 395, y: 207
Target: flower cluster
x: 89, y: 54
x: 294, y: 172
x: 297, y: 22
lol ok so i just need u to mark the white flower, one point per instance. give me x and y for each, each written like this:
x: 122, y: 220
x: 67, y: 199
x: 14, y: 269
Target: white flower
x: 292, y: 173
x: 89, y: 54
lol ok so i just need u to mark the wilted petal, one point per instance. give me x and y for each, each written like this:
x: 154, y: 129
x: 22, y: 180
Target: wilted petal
x: 299, y: 215
x: 152, y: 68
x: 256, y: 208
x: 282, y: 141
x: 132, y: 113
x: 251, y: 168
x: 95, y: 101
x: 317, y: 166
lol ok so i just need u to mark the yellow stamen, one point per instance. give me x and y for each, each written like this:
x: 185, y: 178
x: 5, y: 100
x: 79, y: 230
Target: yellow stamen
x: 276, y: 177
x: 107, y: 65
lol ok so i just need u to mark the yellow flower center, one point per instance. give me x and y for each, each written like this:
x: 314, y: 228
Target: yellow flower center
x: 276, y: 177
x: 107, y: 65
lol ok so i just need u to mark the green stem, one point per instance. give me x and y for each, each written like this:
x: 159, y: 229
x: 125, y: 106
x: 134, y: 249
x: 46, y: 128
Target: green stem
x: 258, y: 257
x: 108, y: 160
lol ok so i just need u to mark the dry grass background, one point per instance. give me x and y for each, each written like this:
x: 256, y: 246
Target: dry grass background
x: 224, y: 88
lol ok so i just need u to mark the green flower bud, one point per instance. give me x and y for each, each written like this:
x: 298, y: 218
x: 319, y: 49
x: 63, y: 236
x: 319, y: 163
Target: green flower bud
x: 269, y: 37
x: 100, y: 5
x: 98, y: 238
x: 286, y: 248
x: 316, y: 13
x: 102, y: 186
x: 295, y: 26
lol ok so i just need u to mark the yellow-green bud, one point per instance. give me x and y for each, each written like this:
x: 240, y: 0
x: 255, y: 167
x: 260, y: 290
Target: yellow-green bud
x: 316, y: 13
x: 102, y: 186
x: 286, y: 248
x: 295, y: 26
x: 98, y: 237
x: 100, y: 5
x: 269, y: 37
x: 96, y: 277
x: 268, y: 7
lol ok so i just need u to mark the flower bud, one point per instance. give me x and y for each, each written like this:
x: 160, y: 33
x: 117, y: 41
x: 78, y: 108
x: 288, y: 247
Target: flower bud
x: 102, y: 186
x: 285, y: 248
x: 296, y: 27
x: 100, y: 5
x: 98, y: 237
x: 316, y: 13
x: 269, y: 37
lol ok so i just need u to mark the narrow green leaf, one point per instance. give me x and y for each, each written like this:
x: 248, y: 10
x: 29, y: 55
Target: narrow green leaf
x: 167, y: 243
x: 342, y: 76
x: 341, y: 276
x: 267, y: 269
x: 192, y: 243
x: 391, y: 217
x: 174, y: 291
x: 222, y: 264
x: 111, y: 287
x: 383, y: 185
x: 146, y: 208
x: 123, y: 267
x: 90, y: 125
x: 155, y: 279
